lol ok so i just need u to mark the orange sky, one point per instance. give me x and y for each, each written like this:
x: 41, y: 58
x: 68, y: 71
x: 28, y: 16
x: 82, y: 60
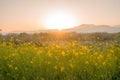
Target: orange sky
x: 17, y: 15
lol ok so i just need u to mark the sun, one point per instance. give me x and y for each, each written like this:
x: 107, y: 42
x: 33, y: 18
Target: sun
x: 59, y: 20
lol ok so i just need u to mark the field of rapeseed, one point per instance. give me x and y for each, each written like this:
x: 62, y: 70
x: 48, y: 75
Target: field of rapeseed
x: 68, y: 60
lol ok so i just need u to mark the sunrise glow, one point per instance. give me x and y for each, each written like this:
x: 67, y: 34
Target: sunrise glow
x: 59, y: 20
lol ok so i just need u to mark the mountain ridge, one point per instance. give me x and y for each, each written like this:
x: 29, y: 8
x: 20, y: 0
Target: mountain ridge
x: 90, y: 28
x: 83, y: 28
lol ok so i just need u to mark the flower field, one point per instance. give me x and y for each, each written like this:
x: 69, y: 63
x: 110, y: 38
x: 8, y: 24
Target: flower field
x: 68, y: 60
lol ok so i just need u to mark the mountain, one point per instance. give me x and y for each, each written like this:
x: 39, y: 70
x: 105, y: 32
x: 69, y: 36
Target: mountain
x: 90, y: 28
x: 84, y: 28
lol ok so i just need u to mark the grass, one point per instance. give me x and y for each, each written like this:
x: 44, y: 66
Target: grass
x: 70, y: 61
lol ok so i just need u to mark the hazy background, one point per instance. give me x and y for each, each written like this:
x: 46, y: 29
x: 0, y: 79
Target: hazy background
x: 16, y: 15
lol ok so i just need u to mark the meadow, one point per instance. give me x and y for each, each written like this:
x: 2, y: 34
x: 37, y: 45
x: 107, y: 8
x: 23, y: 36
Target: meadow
x: 61, y: 56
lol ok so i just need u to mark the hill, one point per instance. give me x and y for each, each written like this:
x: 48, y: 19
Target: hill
x: 90, y: 28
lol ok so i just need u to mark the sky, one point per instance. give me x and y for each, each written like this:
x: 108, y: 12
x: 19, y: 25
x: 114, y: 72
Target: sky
x: 29, y: 15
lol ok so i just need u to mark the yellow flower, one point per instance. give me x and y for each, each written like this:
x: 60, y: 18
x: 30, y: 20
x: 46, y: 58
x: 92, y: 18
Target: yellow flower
x: 49, y: 54
x: 63, y: 53
x: 111, y: 51
x: 86, y: 62
x: 48, y: 62
x: 85, y: 48
x: 16, y: 68
x: 74, y: 53
x: 13, y: 54
x: 31, y: 62
x: 96, y: 64
x: 10, y: 66
x: 73, y: 43
x: 62, y: 69
x: 39, y: 52
x: 96, y: 53
x: 101, y: 56
x: 71, y: 65
x: 104, y: 63
x: 56, y: 67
